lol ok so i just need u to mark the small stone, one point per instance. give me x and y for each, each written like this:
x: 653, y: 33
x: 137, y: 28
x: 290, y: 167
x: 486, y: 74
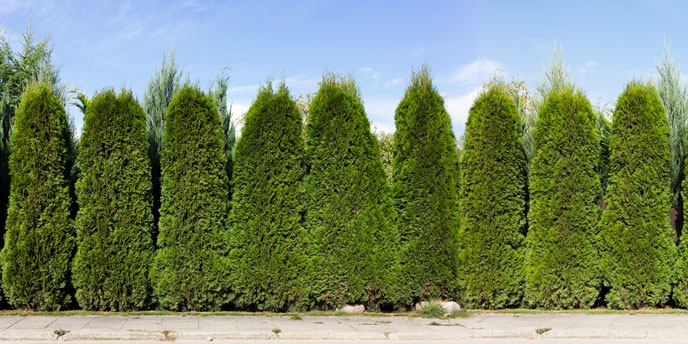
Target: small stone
x: 352, y: 309
x: 449, y: 306
x: 210, y: 339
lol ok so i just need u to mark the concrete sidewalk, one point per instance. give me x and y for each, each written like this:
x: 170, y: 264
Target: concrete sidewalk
x: 555, y: 327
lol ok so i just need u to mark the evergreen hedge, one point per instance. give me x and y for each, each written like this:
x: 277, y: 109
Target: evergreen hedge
x: 267, y: 239
x: 636, y: 240
x: 115, y: 220
x: 425, y: 190
x: 352, y: 241
x: 191, y: 271
x: 561, y: 257
x: 492, y: 203
x: 39, y: 241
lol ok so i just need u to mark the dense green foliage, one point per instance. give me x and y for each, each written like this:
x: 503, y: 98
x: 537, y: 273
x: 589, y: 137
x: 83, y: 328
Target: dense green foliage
x: 267, y: 239
x: 425, y: 190
x: 352, y: 239
x: 561, y: 258
x: 492, y: 203
x: 115, y: 219
x: 191, y: 270
x: 160, y: 89
x: 635, y: 241
x: 39, y: 242
x: 18, y: 69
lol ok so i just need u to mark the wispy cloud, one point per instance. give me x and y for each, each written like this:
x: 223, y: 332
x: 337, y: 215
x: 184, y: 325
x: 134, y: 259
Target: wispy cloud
x: 588, y: 67
x: 192, y: 5
x: 370, y: 73
x: 478, y: 71
x: 459, y: 105
x: 12, y: 6
x: 394, y: 82
x: 299, y: 81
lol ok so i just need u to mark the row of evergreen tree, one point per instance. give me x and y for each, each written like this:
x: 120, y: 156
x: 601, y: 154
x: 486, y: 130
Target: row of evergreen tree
x: 556, y: 208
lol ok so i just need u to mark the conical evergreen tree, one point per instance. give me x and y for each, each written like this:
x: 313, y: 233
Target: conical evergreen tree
x: 191, y: 270
x: 492, y: 203
x: 636, y: 240
x: 561, y: 258
x: 352, y: 239
x: 268, y: 258
x: 425, y: 189
x: 39, y: 242
x: 115, y: 220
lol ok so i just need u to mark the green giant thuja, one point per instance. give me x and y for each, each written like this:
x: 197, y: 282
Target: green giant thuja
x: 352, y: 239
x: 561, y: 258
x: 267, y: 238
x: 115, y: 219
x: 425, y: 189
x: 636, y: 240
x: 190, y: 270
x: 492, y: 203
x: 39, y: 242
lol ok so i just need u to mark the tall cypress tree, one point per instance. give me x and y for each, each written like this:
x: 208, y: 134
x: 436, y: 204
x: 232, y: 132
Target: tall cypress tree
x: 190, y: 270
x: 115, y: 220
x: 164, y: 84
x: 39, y: 242
x: 561, y: 258
x: 268, y: 258
x: 425, y: 189
x: 636, y: 240
x: 352, y: 239
x: 493, y: 203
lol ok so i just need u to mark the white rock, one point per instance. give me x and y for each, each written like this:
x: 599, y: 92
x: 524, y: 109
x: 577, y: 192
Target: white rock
x: 449, y: 306
x: 210, y: 339
x: 352, y: 309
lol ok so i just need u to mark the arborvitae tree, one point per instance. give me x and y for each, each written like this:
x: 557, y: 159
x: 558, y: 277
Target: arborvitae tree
x: 267, y: 239
x: 115, y: 219
x: 635, y: 241
x: 18, y: 69
x: 159, y: 92
x: 674, y: 96
x: 492, y: 203
x: 352, y: 240
x: 561, y: 258
x: 39, y: 242
x: 219, y: 95
x: 425, y: 189
x: 191, y: 270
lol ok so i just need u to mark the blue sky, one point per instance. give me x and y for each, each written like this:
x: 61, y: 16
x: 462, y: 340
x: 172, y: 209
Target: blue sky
x: 119, y: 43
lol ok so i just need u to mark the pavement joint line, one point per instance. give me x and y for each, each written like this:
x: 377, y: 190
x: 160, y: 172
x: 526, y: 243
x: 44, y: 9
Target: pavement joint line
x: 52, y: 322
x: 12, y: 324
x: 123, y: 323
x: 88, y: 322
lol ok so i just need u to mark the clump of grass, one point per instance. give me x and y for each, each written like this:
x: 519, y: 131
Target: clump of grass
x: 60, y: 332
x: 461, y: 313
x: 276, y: 331
x: 433, y: 309
x: 296, y: 317
x: 434, y: 323
x: 318, y: 322
x: 542, y: 330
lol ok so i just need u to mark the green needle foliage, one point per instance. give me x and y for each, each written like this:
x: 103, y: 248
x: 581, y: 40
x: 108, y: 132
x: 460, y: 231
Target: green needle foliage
x: 268, y: 258
x: 164, y: 84
x: 219, y: 95
x: 115, y: 220
x: 425, y: 189
x: 190, y: 271
x: 636, y: 241
x: 674, y: 97
x: 39, y: 242
x: 492, y: 203
x: 561, y: 258
x: 352, y: 240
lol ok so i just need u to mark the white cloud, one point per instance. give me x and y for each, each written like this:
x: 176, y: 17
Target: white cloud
x: 394, y: 82
x: 458, y: 106
x: 588, y: 67
x: 11, y: 6
x: 382, y: 126
x: 477, y: 72
x: 370, y: 72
